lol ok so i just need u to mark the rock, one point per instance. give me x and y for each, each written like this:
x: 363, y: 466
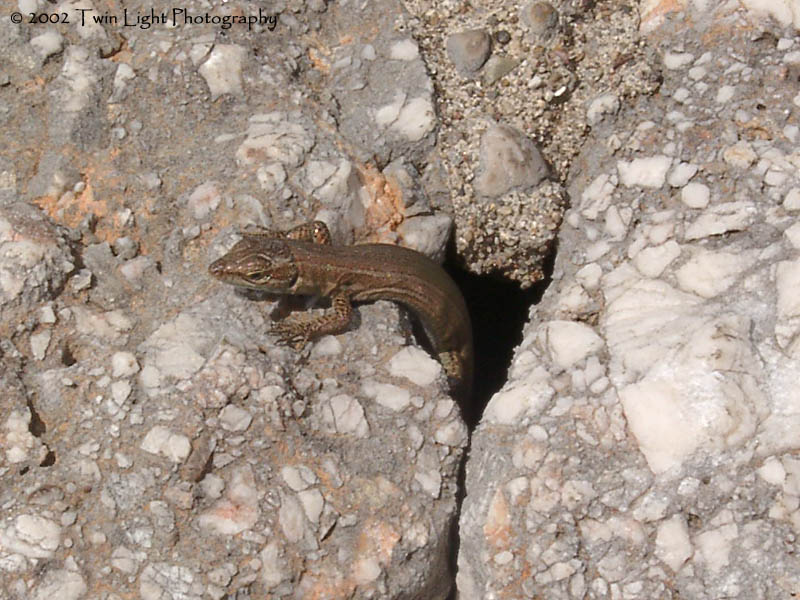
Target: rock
x: 541, y: 19
x: 509, y: 160
x: 498, y: 67
x: 469, y: 50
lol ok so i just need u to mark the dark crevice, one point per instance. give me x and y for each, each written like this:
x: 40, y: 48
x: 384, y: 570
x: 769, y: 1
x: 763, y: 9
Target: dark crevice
x: 67, y: 358
x: 37, y: 427
x: 499, y: 310
x: 49, y: 459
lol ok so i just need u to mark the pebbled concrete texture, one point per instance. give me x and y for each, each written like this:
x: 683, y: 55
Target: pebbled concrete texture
x: 156, y: 443
x: 645, y: 444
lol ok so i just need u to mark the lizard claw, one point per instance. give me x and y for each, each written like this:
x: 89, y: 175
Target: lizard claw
x: 290, y: 334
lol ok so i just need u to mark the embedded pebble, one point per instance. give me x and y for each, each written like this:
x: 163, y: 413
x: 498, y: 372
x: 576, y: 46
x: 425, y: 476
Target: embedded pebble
x: 39, y: 343
x: 233, y: 418
x: 792, y: 199
x: 673, y: 545
x: 32, y: 536
x: 123, y: 75
x: 299, y: 477
x: 120, y: 391
x: 725, y: 93
x: 160, y: 440
x: 47, y: 315
x: 344, y: 414
x: 708, y: 273
x: 413, y: 119
x: 204, y: 200
x: 681, y: 95
x: 312, y: 502
x: 237, y: 510
x: 568, y: 342
x: 415, y: 365
x: 469, y: 49
x: 541, y: 18
x: 508, y: 160
x: 681, y: 174
x: 793, y: 235
x: 652, y: 261
x: 740, y: 155
x: 696, y: 195
x: 730, y: 216
x: 48, y: 43
x: 125, y: 247
x: 648, y: 172
x: 605, y: 104
x: 222, y: 70
x: 677, y: 60
x: 498, y: 67
x: 502, y: 36
x: 390, y: 396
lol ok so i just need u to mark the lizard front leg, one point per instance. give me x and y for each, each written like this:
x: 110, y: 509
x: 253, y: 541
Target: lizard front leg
x: 298, y: 331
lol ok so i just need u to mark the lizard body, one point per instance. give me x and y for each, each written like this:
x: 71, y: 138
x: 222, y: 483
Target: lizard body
x: 304, y: 262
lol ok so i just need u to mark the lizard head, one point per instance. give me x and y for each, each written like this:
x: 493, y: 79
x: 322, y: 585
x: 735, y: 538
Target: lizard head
x: 257, y: 263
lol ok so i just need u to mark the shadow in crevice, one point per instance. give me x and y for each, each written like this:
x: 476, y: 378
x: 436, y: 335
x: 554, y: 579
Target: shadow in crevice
x: 498, y: 309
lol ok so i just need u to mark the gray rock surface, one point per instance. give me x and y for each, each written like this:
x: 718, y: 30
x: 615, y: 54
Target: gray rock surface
x: 154, y: 441
x: 645, y: 443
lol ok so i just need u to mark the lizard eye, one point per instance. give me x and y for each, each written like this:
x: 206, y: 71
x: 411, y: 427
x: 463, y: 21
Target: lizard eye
x: 258, y: 276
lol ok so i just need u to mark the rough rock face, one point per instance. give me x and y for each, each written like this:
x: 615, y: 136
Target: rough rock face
x: 645, y: 444
x: 154, y: 441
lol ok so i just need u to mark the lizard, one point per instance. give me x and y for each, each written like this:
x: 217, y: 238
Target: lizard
x: 303, y: 261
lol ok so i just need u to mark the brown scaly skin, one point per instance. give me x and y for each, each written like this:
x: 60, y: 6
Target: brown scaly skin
x: 303, y: 261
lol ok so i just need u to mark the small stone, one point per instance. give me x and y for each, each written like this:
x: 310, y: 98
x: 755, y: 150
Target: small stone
x: 404, y: 50
x: 223, y: 70
x: 498, y: 67
x: 740, y: 155
x: 695, y: 195
x: 82, y: 280
x: 48, y: 43
x: 234, y: 418
x: 648, y: 171
x: 541, y: 18
x: 125, y: 247
x: 123, y: 364
x: 681, y: 174
x: 39, y: 343
x: 468, y: 50
x: 415, y: 365
x: 725, y: 93
x: 677, y: 60
x: 204, y: 200
x: 160, y: 440
x: 792, y: 200
x: 605, y: 104
x: 47, y: 315
x: 502, y: 37
x: 387, y: 395
x: 509, y: 159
